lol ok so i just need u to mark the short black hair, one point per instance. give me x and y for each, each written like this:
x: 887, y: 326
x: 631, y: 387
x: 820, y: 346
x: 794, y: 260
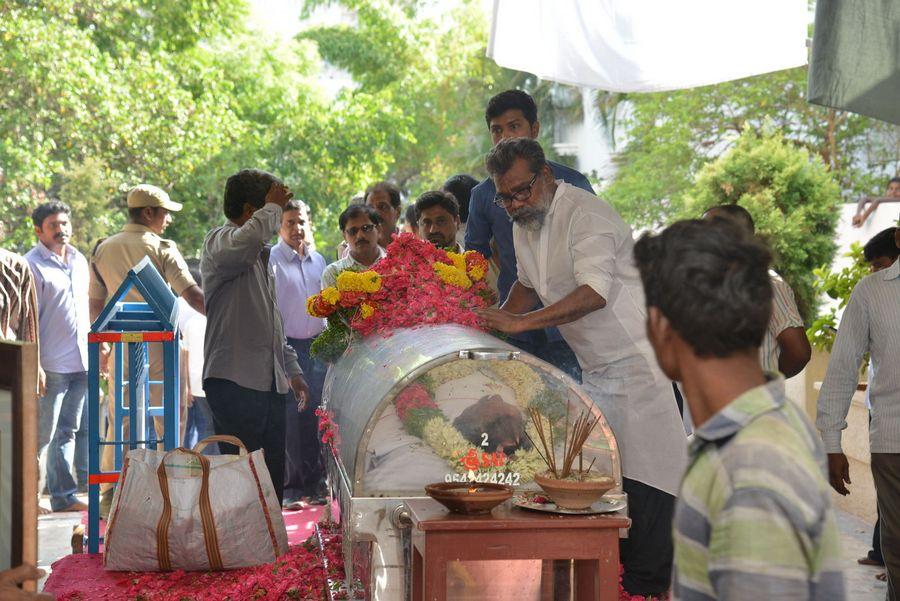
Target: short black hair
x: 390, y: 189
x: 44, y: 210
x: 502, y: 156
x: 894, y: 180
x: 354, y: 211
x: 737, y: 213
x: 247, y: 186
x: 437, y: 198
x: 882, y: 244
x: 711, y: 281
x: 510, y: 100
x: 410, y: 215
x: 460, y: 186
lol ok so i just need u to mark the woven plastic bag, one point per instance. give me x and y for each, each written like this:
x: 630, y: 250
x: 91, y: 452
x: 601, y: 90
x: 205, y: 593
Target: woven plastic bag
x: 180, y: 510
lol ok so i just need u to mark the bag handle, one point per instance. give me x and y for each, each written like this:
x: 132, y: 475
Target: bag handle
x: 210, y: 538
x: 232, y: 440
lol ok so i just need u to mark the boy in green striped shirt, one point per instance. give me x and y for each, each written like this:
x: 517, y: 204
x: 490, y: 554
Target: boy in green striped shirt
x: 753, y: 518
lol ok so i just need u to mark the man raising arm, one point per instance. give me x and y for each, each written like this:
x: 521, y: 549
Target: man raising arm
x: 248, y: 364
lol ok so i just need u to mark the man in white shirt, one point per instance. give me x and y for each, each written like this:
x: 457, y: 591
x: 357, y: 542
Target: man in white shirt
x: 870, y: 324
x: 574, y: 254
x: 361, y: 226
x: 298, y: 275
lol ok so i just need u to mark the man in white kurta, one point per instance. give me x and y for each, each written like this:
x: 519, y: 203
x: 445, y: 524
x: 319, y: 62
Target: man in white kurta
x: 574, y: 254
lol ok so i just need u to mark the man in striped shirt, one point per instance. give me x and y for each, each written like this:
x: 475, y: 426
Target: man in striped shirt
x: 753, y: 518
x: 870, y: 324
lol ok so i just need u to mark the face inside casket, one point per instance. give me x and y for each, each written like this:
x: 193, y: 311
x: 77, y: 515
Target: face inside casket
x: 469, y: 419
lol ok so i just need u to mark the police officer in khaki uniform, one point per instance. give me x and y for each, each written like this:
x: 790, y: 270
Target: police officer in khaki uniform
x: 149, y: 212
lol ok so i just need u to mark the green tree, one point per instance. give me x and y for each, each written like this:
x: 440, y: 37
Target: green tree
x: 791, y: 196
x: 672, y: 135
x: 837, y: 285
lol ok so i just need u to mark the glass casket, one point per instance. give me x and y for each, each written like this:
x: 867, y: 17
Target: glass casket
x: 435, y: 404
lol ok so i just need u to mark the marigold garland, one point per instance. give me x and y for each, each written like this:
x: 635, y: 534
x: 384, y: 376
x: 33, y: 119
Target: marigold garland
x: 452, y: 275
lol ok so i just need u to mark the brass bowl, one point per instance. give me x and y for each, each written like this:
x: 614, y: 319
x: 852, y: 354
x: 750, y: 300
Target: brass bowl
x: 469, y: 498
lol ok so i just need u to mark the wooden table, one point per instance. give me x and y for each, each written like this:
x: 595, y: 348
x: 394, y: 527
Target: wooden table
x: 439, y: 537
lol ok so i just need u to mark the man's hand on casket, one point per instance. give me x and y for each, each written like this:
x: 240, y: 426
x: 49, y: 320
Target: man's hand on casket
x: 502, y: 321
x: 301, y: 392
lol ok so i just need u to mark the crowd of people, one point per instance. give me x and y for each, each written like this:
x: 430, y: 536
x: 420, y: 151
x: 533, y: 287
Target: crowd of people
x: 679, y: 333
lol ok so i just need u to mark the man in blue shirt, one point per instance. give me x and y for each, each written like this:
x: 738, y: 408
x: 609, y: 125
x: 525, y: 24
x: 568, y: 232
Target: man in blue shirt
x: 298, y: 275
x: 513, y: 114
x: 61, y: 277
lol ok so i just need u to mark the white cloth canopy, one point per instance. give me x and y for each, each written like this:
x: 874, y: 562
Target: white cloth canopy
x: 648, y: 45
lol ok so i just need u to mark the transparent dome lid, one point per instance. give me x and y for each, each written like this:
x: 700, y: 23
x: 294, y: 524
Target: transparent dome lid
x: 469, y: 419
x: 445, y: 403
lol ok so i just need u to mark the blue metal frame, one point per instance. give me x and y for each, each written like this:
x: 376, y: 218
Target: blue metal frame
x: 133, y: 321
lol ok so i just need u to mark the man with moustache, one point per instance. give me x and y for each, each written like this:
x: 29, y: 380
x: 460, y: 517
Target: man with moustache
x: 574, y: 255
x: 384, y: 197
x: 361, y: 226
x: 437, y: 214
x: 297, y: 269
x: 61, y: 277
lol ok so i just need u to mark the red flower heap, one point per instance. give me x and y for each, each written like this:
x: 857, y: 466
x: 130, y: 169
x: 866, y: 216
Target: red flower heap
x: 415, y: 284
x: 414, y: 292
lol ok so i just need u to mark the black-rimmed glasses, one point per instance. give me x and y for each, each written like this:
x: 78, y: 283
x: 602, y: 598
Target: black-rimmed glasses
x: 521, y: 195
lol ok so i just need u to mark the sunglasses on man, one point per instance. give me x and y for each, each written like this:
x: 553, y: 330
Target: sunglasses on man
x: 363, y: 228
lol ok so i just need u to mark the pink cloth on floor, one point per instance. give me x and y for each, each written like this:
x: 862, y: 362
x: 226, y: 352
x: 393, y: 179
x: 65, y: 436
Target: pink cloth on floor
x: 82, y: 577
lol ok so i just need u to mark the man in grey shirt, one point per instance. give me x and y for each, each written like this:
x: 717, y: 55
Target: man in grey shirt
x: 248, y: 364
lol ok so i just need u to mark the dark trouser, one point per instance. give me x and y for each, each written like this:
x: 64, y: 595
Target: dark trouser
x: 254, y: 416
x: 647, y: 552
x: 556, y: 353
x: 875, y: 553
x: 886, y: 471
x: 304, y: 472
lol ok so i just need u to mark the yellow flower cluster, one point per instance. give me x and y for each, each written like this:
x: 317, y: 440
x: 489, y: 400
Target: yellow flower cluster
x: 331, y: 295
x: 519, y: 376
x: 366, y: 310
x: 477, y: 273
x: 366, y: 281
x: 459, y: 260
x: 452, y: 275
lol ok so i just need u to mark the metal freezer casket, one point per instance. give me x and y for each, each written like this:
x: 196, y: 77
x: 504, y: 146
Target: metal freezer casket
x: 434, y: 404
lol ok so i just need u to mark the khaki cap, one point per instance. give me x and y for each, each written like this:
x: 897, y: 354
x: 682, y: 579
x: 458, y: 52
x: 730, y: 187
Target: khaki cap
x: 146, y: 195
